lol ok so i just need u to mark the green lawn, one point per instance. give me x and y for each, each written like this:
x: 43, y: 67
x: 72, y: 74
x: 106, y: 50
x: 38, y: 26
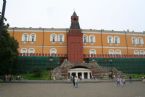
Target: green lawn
x: 43, y: 75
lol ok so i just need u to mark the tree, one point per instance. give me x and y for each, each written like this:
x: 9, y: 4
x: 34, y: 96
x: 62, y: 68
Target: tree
x: 8, y: 52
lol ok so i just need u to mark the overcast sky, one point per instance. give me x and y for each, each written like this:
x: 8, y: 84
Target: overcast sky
x: 93, y: 14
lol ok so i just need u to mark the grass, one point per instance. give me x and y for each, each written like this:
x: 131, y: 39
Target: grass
x: 44, y: 75
x: 136, y: 76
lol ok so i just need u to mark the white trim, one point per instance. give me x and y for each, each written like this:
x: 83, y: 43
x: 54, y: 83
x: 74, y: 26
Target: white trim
x: 111, y: 47
x: 92, y: 51
x: 53, y: 51
x: 66, y: 30
x: 38, y: 30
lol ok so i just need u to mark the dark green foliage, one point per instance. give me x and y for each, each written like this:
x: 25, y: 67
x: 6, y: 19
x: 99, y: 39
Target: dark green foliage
x: 8, y: 52
x: 37, y: 72
x: 126, y: 65
x: 29, y: 63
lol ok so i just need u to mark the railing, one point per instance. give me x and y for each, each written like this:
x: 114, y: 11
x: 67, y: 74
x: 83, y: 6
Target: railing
x: 85, y: 55
x: 40, y: 54
x: 112, y: 56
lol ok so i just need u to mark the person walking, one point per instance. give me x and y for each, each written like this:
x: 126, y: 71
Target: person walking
x: 117, y: 81
x: 76, y: 81
x: 73, y: 80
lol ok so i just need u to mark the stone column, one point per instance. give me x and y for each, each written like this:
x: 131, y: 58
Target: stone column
x: 82, y: 75
x: 88, y: 75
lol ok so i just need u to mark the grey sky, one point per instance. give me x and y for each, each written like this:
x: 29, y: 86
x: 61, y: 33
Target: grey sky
x: 93, y: 14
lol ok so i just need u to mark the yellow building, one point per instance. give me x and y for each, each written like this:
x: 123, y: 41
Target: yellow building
x: 54, y: 41
x: 77, y: 45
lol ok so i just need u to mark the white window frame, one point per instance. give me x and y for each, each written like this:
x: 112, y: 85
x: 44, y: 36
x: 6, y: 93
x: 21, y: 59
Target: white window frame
x: 136, y: 52
x: 141, y: 41
x: 136, y: 40
x: 33, y: 35
x: 133, y: 40
x: 53, y: 37
x: 24, y: 50
x: 111, y: 52
x: 25, y: 37
x: 85, y: 38
x: 31, y: 50
x: 110, y: 39
x: 142, y: 52
x: 92, y: 51
x: 116, y: 39
x: 92, y: 39
x: 118, y: 52
x: 60, y: 38
x: 53, y: 51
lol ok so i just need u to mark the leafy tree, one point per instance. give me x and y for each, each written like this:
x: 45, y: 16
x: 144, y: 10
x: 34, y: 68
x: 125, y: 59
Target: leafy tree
x: 8, y: 52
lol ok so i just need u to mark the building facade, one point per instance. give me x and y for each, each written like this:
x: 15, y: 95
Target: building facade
x: 76, y: 44
x: 98, y: 42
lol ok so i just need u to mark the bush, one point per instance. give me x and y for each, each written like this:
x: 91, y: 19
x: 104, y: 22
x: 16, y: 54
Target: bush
x: 37, y: 72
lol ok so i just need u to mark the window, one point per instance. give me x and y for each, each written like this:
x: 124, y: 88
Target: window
x: 31, y: 50
x: 25, y: 37
x: 111, y: 52
x: 53, y: 51
x: 110, y: 39
x: 136, y: 52
x: 133, y: 40
x: 60, y: 38
x: 142, y: 52
x: 92, y: 39
x: 137, y: 40
x: 53, y: 37
x: 23, y: 50
x: 92, y: 51
x: 118, y: 52
x: 116, y: 40
x: 32, y: 37
x: 85, y: 38
x: 141, y: 41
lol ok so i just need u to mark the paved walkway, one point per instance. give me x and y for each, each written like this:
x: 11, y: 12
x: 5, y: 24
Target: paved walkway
x: 134, y: 89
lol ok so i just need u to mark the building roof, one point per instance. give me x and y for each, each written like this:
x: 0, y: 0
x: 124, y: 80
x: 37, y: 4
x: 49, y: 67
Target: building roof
x: 74, y: 14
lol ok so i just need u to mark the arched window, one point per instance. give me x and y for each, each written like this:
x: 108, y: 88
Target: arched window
x: 118, y: 52
x: 92, y: 51
x: 111, y: 52
x: 116, y: 39
x: 53, y: 51
x: 60, y: 38
x: 25, y: 37
x: 136, y: 40
x: 85, y: 39
x: 141, y: 41
x: 110, y: 39
x: 142, y: 52
x: 31, y: 50
x: 24, y: 50
x: 133, y: 40
x: 92, y: 39
x: 136, y: 52
x: 53, y: 37
x: 32, y: 37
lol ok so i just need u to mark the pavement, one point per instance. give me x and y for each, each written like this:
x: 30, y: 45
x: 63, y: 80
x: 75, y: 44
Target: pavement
x: 59, y: 89
x: 64, y: 81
